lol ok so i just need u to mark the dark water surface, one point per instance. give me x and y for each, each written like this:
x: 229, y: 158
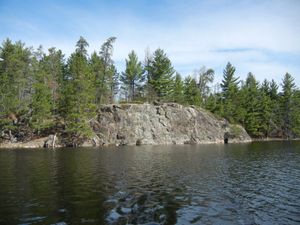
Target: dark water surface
x: 256, y: 183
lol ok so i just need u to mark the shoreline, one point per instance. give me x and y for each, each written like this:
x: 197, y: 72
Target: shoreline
x: 273, y: 139
x: 39, y: 144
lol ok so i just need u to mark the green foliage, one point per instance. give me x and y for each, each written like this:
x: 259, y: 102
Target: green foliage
x: 97, y: 70
x: 211, y: 103
x: 230, y: 98
x: 295, y: 115
x: 235, y: 131
x: 41, y: 105
x: 229, y: 83
x: 252, y: 120
x: 161, y: 75
x: 133, y: 77
x: 266, y: 113
x: 78, y: 97
x: 54, y: 69
x: 16, y: 75
x: 178, y: 89
x: 108, y: 82
x: 81, y: 46
x: 191, y: 92
x: 288, y: 105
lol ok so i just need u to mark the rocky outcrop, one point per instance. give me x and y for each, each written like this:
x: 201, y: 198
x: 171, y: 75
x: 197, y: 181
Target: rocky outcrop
x: 147, y: 124
x: 169, y: 123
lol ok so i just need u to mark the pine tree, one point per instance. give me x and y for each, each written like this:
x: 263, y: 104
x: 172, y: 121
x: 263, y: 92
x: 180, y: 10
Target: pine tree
x: 211, y: 103
x: 161, y: 75
x: 178, y: 90
x: 78, y: 103
x: 287, y: 104
x: 191, y: 92
x: 106, y: 91
x: 16, y: 76
x: 133, y: 77
x: 273, y: 92
x: 81, y: 45
x: 252, y: 106
x: 229, y: 83
x: 97, y: 66
x: 266, y: 109
x: 230, y: 90
x: 41, y: 105
x: 296, y: 114
x: 54, y: 67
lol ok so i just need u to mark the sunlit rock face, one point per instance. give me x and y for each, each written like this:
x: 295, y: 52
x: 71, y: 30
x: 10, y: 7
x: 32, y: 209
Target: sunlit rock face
x: 169, y: 123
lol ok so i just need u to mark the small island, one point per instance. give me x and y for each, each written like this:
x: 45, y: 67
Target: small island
x: 48, y: 100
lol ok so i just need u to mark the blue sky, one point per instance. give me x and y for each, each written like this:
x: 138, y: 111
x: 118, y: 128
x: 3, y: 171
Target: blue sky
x: 261, y: 36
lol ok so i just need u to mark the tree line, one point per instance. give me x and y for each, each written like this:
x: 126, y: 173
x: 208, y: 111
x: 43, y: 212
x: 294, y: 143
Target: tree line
x: 44, y: 92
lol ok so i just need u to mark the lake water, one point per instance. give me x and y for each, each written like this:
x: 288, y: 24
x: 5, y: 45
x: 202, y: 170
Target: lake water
x: 257, y: 183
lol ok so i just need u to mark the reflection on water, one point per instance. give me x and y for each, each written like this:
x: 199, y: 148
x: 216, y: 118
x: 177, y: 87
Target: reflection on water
x: 256, y: 183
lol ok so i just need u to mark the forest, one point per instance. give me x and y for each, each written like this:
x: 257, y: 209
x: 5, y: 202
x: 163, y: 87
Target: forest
x: 45, y: 92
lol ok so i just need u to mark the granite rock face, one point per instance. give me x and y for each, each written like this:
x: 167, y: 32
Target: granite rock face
x: 148, y: 124
x: 169, y: 123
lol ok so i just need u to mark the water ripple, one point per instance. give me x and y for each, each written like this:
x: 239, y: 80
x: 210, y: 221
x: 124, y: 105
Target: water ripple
x: 243, y: 184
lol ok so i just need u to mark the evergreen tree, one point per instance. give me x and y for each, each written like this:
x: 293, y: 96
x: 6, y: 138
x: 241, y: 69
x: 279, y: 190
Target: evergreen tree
x: 161, y: 75
x: 16, y: 76
x: 41, y: 105
x: 107, y: 82
x: 78, y: 103
x: 296, y: 114
x: 287, y: 104
x: 81, y: 45
x: 229, y: 83
x: 252, y: 106
x: 178, y: 89
x: 97, y: 66
x: 133, y: 77
x: 211, y: 103
x: 275, y: 116
x: 230, y: 96
x: 273, y: 92
x: 266, y: 109
x: 54, y: 67
x: 191, y: 92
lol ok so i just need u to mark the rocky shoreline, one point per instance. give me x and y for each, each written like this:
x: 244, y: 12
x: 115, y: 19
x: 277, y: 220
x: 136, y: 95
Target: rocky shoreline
x: 148, y: 124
